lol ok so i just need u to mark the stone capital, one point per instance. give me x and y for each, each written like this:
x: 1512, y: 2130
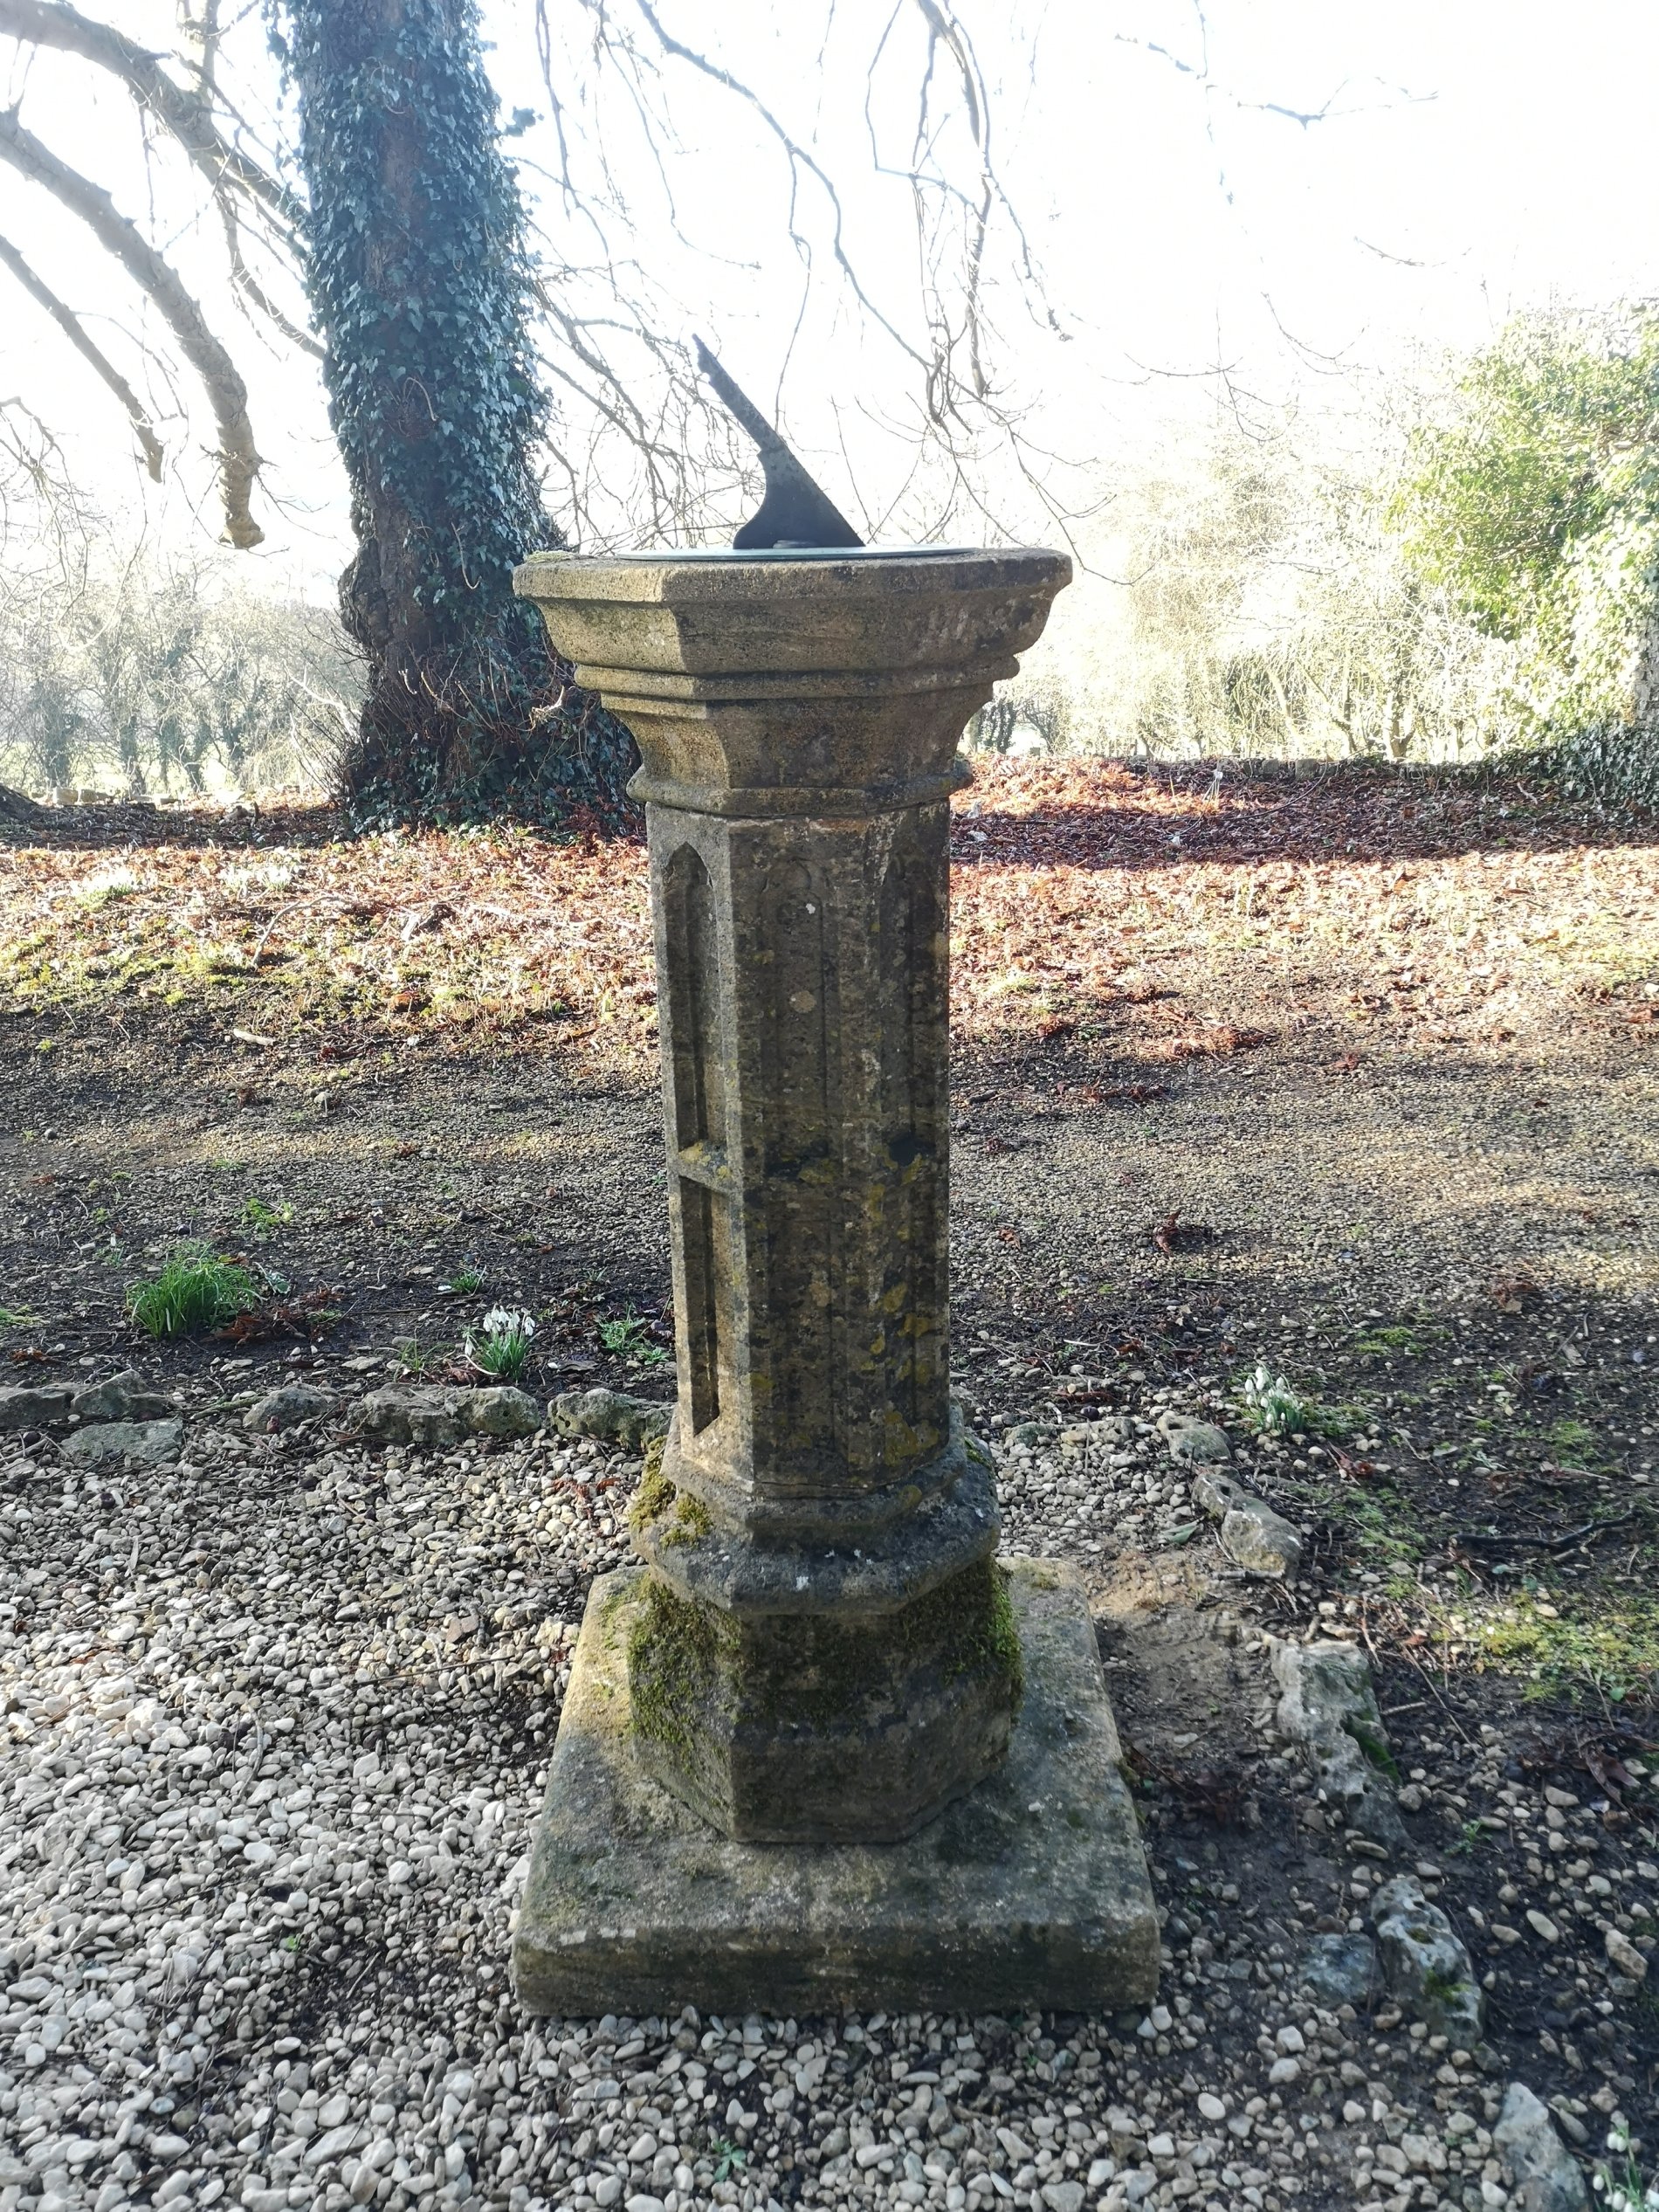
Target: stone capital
x: 795, y: 683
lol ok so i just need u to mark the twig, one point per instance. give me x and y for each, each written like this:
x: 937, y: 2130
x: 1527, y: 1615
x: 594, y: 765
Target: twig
x: 1540, y: 1543
x: 1438, y: 1700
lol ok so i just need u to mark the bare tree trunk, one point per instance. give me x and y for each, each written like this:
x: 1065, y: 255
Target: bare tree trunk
x: 424, y: 290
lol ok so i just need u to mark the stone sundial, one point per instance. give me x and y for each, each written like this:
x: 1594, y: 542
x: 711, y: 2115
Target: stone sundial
x: 822, y: 1746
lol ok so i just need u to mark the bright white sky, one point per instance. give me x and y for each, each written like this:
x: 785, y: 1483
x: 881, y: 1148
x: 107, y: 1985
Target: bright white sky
x: 1479, y: 156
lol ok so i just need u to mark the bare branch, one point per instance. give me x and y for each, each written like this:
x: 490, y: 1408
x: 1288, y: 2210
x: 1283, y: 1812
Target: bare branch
x: 187, y: 114
x: 227, y: 393
x: 70, y: 323
x: 245, y: 281
x: 799, y: 157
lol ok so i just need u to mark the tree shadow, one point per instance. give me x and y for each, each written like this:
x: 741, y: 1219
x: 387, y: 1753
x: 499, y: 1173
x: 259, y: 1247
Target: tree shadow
x: 1103, y: 814
x: 135, y: 826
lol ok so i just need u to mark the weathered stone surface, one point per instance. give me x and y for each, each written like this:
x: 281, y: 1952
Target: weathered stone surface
x: 1544, y: 2175
x: 125, y: 1397
x: 115, y: 1444
x: 1199, y: 1443
x: 1253, y: 1535
x: 612, y: 1415
x: 905, y: 1710
x: 431, y: 1415
x: 844, y: 1564
x: 1424, y: 1962
x: 797, y: 721
x: 47, y: 1407
x: 1031, y: 1889
x: 1330, y: 1708
x: 287, y: 1406
x: 1341, y: 1969
x: 499, y: 1409
x: 1623, y: 1956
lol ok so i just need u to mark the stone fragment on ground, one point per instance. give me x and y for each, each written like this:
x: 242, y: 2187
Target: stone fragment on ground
x: 1198, y: 1443
x: 45, y: 1407
x: 431, y: 1415
x: 1341, y: 1969
x: 125, y: 1443
x: 125, y: 1396
x: 1253, y: 1535
x: 1425, y: 1964
x: 1329, y: 1708
x: 1623, y: 1956
x: 1543, y: 2174
x: 287, y: 1406
x: 611, y: 1415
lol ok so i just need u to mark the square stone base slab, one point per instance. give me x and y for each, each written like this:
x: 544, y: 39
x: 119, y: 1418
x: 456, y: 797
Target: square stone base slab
x: 1031, y: 1890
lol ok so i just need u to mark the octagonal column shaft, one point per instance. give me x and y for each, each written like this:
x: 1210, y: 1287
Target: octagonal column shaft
x: 803, y: 972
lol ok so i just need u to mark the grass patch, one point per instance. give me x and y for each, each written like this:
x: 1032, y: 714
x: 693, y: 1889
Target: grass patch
x: 1400, y: 1341
x: 628, y: 1337
x: 194, y: 1291
x: 417, y: 1359
x: 1378, y: 1522
x: 18, y: 1317
x: 265, y: 1220
x: 1611, y: 1648
x: 1573, y: 1445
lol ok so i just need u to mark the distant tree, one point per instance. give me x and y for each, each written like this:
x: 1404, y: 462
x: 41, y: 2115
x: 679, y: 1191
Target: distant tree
x: 1532, y: 497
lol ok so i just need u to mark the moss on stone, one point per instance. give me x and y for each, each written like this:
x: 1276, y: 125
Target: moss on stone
x: 1003, y: 1654
x: 804, y: 1673
x: 674, y: 1650
x: 656, y: 1494
x: 691, y: 1520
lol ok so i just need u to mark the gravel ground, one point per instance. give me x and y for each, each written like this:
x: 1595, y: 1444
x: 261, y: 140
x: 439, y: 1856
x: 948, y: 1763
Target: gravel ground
x: 276, y: 1727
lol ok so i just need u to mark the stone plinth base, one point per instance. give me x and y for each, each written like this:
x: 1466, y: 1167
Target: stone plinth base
x: 1031, y: 1890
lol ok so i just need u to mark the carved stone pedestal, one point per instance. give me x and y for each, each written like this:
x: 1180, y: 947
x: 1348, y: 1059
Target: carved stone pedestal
x: 821, y: 1649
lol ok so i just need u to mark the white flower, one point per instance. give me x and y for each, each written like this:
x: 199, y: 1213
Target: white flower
x: 507, y: 1320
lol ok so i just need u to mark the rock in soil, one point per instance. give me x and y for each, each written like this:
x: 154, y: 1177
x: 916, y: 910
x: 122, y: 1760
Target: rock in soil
x: 1341, y: 1969
x: 1253, y: 1535
x: 1544, y: 2172
x: 1330, y: 1708
x: 1424, y: 1962
x: 125, y: 1443
x: 610, y: 1416
x: 432, y: 1416
x: 1199, y: 1443
x: 125, y: 1396
x: 287, y: 1406
x: 40, y: 1408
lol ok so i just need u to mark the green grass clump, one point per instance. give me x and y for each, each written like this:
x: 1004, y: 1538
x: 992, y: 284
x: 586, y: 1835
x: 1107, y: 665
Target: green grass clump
x: 1610, y: 1648
x: 628, y: 1337
x: 1574, y: 1443
x: 194, y: 1291
x: 265, y: 1220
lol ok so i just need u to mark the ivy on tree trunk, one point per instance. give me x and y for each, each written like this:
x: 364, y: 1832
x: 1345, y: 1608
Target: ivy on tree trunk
x: 423, y: 288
